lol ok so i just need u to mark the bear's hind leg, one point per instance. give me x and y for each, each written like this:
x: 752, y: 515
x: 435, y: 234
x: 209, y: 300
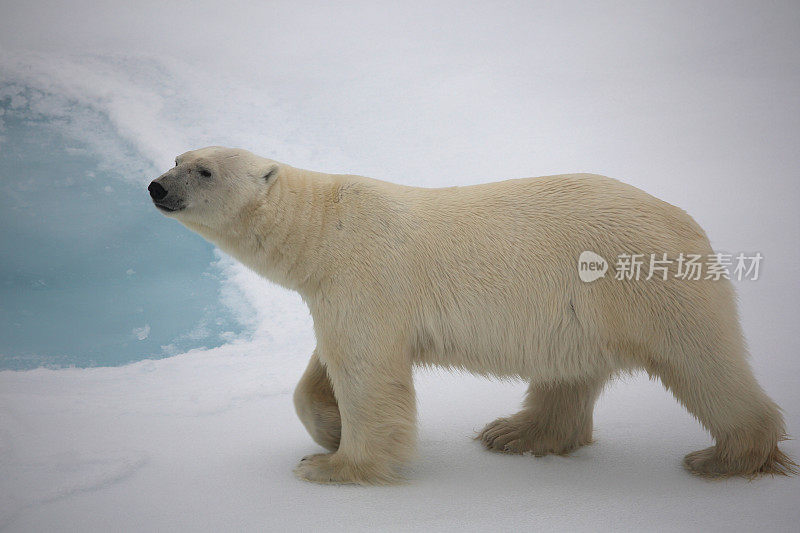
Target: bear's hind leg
x: 556, y: 419
x: 712, y: 379
x: 316, y: 405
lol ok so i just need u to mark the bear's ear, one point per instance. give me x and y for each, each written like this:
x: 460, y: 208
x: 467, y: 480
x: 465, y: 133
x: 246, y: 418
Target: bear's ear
x: 270, y: 171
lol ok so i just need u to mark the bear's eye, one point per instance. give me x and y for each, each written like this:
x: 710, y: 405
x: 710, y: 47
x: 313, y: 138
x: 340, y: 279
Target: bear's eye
x: 205, y: 173
x: 176, y: 162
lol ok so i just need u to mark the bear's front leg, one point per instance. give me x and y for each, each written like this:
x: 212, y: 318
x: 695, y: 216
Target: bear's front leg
x: 373, y: 385
x: 317, y: 407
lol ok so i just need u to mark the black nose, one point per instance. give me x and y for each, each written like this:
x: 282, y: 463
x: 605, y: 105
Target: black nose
x: 157, y: 192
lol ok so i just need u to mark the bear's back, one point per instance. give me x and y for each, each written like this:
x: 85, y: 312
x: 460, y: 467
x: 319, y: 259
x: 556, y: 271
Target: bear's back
x: 552, y: 217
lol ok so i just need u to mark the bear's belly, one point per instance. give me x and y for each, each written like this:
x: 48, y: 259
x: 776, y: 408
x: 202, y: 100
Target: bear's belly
x: 505, y: 344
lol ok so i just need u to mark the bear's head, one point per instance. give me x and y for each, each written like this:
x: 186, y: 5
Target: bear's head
x: 212, y: 185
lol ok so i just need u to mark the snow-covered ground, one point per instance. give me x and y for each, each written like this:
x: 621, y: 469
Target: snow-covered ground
x: 693, y: 102
x: 207, y: 441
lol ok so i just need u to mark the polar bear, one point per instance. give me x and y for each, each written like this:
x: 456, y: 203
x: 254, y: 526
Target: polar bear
x: 481, y: 278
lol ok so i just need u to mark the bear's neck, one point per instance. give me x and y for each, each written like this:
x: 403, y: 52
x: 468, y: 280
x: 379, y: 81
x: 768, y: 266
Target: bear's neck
x: 285, y: 236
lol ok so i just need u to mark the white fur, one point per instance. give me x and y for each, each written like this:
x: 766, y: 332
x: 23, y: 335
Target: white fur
x: 482, y: 278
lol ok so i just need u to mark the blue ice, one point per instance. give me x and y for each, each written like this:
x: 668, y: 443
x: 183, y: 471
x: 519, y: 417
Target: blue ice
x: 90, y: 273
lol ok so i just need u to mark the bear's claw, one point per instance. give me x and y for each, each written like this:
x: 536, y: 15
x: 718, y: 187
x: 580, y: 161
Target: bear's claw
x: 333, y: 468
x: 519, y: 435
x: 710, y: 463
